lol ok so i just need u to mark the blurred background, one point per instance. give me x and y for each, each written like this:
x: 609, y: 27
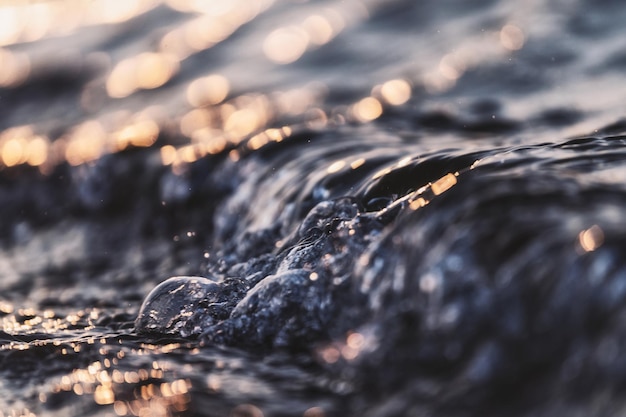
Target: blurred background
x: 79, y: 79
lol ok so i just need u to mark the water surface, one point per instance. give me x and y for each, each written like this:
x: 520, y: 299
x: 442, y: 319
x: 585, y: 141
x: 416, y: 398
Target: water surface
x: 403, y: 208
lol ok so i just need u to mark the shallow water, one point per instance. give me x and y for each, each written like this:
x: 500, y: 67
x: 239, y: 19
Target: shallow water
x: 400, y: 208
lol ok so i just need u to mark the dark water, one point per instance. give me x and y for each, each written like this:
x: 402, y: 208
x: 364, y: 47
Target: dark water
x: 380, y: 208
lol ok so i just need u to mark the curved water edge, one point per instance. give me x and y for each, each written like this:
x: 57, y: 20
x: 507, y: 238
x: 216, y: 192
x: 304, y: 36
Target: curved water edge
x: 462, y: 282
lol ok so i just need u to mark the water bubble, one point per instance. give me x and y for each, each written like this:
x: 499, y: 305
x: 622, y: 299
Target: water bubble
x: 180, y: 306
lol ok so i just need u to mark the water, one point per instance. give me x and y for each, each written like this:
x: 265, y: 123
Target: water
x: 386, y: 208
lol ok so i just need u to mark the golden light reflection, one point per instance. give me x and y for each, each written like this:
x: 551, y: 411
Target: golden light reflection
x: 153, y: 70
x: 512, y: 37
x: 286, y: 45
x: 367, y: 109
x: 354, y: 344
x: 141, y: 134
x: 348, y: 350
x: 314, y: 412
x: 330, y: 354
x: 13, y: 152
x: 204, y: 141
x: 39, y: 23
x: 357, y: 163
x: 120, y: 408
x: 381, y: 172
x: 175, y: 43
x: 37, y: 151
x: 212, y: 141
x: 258, y: 141
x: 217, y: 22
x: 316, y: 118
x: 10, y: 25
x: 425, y: 194
x: 6, y: 307
x: 591, y: 239
x: 145, y: 71
x: 244, y: 115
x: 336, y: 166
x: 19, y: 145
x: 18, y: 412
x: 451, y: 67
x: 242, y: 122
x: 269, y: 135
x: 206, y: 31
x: 225, y: 110
x: 86, y: 143
x: 436, y: 83
x: 296, y: 101
x: 220, y: 127
x: 443, y: 184
x: 14, y: 68
x: 418, y: 203
x: 355, y: 340
x: 152, y: 395
x: 121, y: 81
x: 150, y: 398
x: 168, y: 155
x: 103, y: 395
x: 396, y: 92
x: 404, y: 161
x: 195, y: 120
x: 319, y: 29
x: 28, y: 21
x: 189, y: 153
x: 214, y: 383
x: 209, y: 90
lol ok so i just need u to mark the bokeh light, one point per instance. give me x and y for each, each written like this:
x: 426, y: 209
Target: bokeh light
x: 286, y: 45
x: 396, y: 92
x: 512, y: 37
x: 367, y: 109
x: 208, y: 90
x: 145, y: 71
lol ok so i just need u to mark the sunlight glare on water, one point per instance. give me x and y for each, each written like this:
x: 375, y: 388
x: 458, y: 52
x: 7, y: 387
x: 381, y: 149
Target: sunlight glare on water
x: 394, y: 205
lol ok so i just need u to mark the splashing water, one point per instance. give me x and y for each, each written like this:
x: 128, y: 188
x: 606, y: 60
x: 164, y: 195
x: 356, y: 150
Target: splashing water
x: 377, y: 208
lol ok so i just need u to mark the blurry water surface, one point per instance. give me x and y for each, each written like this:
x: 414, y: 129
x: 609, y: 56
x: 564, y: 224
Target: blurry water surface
x: 128, y: 137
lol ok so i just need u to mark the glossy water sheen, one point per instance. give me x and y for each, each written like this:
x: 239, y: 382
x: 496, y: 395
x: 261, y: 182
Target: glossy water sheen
x: 365, y: 207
